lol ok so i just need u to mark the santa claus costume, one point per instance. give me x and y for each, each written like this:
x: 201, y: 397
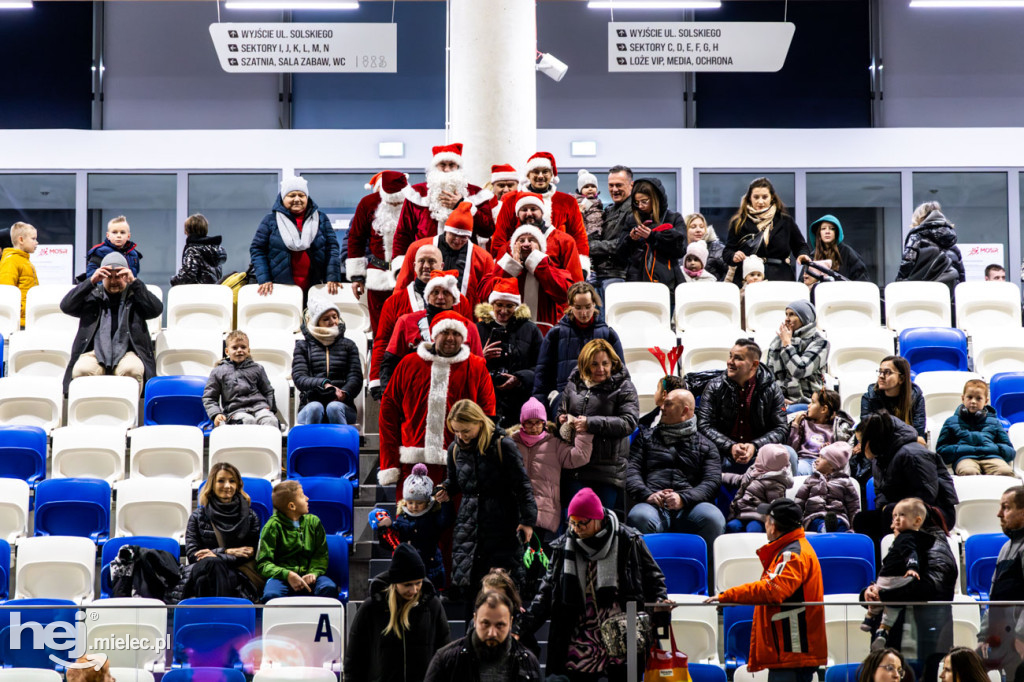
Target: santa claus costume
x: 560, y: 247
x: 562, y: 209
x: 500, y: 172
x: 371, y: 236
x: 476, y: 262
x: 423, y: 214
x: 417, y: 400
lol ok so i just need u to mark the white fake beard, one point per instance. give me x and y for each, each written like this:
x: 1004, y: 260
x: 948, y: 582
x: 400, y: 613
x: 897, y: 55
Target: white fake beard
x: 385, y: 222
x: 437, y: 182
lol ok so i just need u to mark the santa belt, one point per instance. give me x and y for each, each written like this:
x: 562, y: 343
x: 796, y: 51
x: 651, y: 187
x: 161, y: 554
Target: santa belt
x: 378, y: 263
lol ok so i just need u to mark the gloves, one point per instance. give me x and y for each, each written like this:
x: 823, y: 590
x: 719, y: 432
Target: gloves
x: 376, y: 393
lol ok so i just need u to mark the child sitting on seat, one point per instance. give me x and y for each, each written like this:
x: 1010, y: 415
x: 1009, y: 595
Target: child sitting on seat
x: 823, y: 423
x: 973, y: 440
x: 829, y: 498
x: 241, y: 386
x: 767, y: 479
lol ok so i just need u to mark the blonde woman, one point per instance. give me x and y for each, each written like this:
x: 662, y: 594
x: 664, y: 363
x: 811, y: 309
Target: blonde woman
x: 399, y: 627
x: 498, y: 511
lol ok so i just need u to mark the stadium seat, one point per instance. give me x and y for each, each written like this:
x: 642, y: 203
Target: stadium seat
x: 25, y: 653
x: 1016, y: 432
x: 330, y: 499
x: 39, y: 353
x: 281, y: 309
x: 738, y: 623
x: 324, y: 450
x: 852, y: 387
x: 736, y: 559
x: 979, y: 503
x: 1006, y: 396
x: 254, y: 449
x: 182, y: 351
x: 842, y: 673
x: 704, y: 672
x: 987, y: 305
x: 175, y: 400
x: 23, y: 453
x: 260, y: 492
x: 5, y: 569
x: 108, y: 401
x: 765, y: 303
x: 205, y: 674
x: 846, y: 642
x: 966, y: 621
x: 980, y: 553
x: 127, y: 617
x: 353, y: 310
x: 295, y: 633
x: 997, y: 350
x: 943, y: 393
x: 131, y: 675
x: 30, y: 674
x: 916, y: 304
x: 708, y: 349
x: 31, y: 401
x: 706, y: 305
x: 273, y: 349
x: 741, y: 674
x: 10, y: 310
x: 153, y: 506
x: 637, y: 305
x: 859, y: 352
x: 154, y: 323
x: 167, y: 451
x: 934, y: 349
x: 869, y: 494
x: 42, y: 310
x: 112, y: 546
x: 842, y: 306
x: 200, y: 306
x: 55, y: 568
x: 337, y: 564
x: 644, y: 369
x: 683, y: 558
x: 88, y: 452
x: 211, y: 631
x: 14, y: 497
x: 78, y: 507
x: 284, y: 408
x: 798, y: 481
x: 847, y: 560
x: 695, y: 626
x: 294, y: 675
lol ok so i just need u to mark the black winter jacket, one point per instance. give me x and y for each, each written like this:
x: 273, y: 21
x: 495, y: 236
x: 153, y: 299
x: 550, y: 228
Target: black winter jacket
x: 199, y: 534
x: 720, y: 403
x: 874, y: 400
x: 372, y: 656
x: 785, y: 243
x: 612, y: 409
x: 604, y: 252
x: 937, y: 230
x: 200, y: 261
x: 656, y: 259
x: 457, y: 662
x: 315, y: 365
x: 560, y: 353
x: 691, y: 467
x: 520, y: 343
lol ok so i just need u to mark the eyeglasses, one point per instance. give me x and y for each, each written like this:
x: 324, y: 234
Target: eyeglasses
x: 579, y: 524
x: 886, y: 372
x: 890, y: 668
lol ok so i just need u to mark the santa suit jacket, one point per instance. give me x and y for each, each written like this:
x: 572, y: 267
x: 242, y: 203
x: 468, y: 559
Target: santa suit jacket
x: 415, y: 222
x: 543, y: 284
x: 474, y: 275
x: 416, y: 403
x: 563, y: 212
x: 367, y: 235
x: 408, y: 335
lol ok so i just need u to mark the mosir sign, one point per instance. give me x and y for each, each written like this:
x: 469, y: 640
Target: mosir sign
x: 698, y: 46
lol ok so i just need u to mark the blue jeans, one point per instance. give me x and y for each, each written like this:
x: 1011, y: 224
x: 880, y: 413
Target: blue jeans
x: 324, y: 587
x: 737, y: 526
x: 337, y: 413
x: 801, y: 467
x: 818, y: 526
x: 796, y: 407
x: 704, y: 519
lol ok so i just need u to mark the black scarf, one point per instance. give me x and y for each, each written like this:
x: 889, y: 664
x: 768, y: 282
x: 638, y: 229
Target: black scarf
x: 230, y: 518
x: 111, y: 340
x: 673, y: 433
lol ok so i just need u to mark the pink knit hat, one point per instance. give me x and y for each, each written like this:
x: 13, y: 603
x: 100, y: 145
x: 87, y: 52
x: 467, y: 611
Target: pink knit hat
x: 532, y: 409
x: 837, y: 454
x: 586, y: 505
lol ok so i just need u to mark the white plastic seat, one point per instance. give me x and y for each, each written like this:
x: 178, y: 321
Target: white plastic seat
x: 154, y: 323
x: 736, y: 561
x: 966, y: 621
x: 40, y: 353
x: 637, y: 305
x: 131, y: 675
x: 294, y: 675
x: 273, y: 349
x: 281, y: 309
x: 42, y: 309
x: 987, y: 305
x: 859, y: 351
x: 704, y: 305
x: 88, y: 452
x: 153, y: 506
x: 943, y: 393
x: 283, y: 397
x: 852, y: 387
x: 846, y: 642
x: 765, y: 303
x: 10, y: 309
x: 353, y: 310
x: 1016, y: 433
x: 695, y: 626
x: 741, y: 674
x: 31, y: 401
x: 167, y: 451
x: 290, y: 626
x: 192, y: 352
x: 916, y: 304
x: 798, y: 482
x: 644, y: 369
x: 14, y: 495
x: 847, y: 305
x: 997, y: 349
x: 55, y: 567
x: 254, y: 449
x: 108, y: 401
x: 127, y: 617
x: 705, y: 349
x: 979, y: 503
x: 30, y: 675
x: 954, y: 542
x: 200, y: 306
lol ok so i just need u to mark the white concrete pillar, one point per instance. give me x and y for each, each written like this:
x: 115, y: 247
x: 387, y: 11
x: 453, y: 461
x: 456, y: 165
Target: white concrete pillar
x: 493, y: 83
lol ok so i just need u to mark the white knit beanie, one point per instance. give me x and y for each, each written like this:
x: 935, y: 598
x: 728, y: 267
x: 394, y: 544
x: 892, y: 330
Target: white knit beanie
x: 584, y: 178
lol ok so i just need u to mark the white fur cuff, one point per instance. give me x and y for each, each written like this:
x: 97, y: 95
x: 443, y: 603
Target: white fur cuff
x: 379, y: 280
x: 534, y: 259
x: 510, y: 265
x: 355, y: 267
x: 585, y: 263
x: 396, y: 263
x: 388, y: 476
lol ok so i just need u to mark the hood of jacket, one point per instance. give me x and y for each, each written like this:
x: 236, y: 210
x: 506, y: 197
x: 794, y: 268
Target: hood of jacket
x: 280, y: 208
x: 710, y: 236
x: 662, y: 197
x: 935, y: 228
x: 304, y: 328
x: 827, y: 218
x: 485, y: 312
x: 902, y: 434
x: 208, y: 240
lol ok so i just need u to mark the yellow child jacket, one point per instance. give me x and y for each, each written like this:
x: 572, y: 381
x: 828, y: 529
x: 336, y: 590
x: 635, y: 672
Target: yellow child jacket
x: 16, y: 269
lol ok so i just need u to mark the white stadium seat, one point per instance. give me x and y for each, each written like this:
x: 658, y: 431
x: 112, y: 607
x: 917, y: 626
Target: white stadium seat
x: 736, y: 561
x: 966, y: 621
x: 703, y: 305
x: 55, y: 567
x: 189, y: 352
x: 42, y: 309
x: 708, y: 348
x: 979, y: 503
x: 40, y: 353
x: 1016, y: 433
x: 167, y: 451
x: 281, y: 309
x: 846, y: 642
x: 254, y: 449
x: 861, y: 351
x: 127, y: 617
x: 765, y: 303
x: 290, y: 626
x: 982, y: 305
x: 14, y: 494
x: 109, y: 401
x: 943, y: 393
x: 30, y: 675
x: 31, y: 401
x: 847, y: 305
x: 695, y: 626
x: 88, y: 452
x: 798, y: 482
x: 10, y: 310
x: 637, y: 305
x: 852, y: 387
x: 273, y: 349
x: 353, y: 310
x: 301, y: 674
x: 131, y: 675
x: 916, y: 304
x: 741, y: 674
x: 152, y: 506
x: 997, y: 349
x: 154, y: 323
x: 200, y: 306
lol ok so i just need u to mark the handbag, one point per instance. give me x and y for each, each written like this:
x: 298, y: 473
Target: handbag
x: 246, y: 568
x: 613, y: 634
x: 667, y: 666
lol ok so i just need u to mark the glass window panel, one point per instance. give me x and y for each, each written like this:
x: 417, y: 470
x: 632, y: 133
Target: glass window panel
x: 234, y: 205
x: 43, y: 200
x: 869, y: 208
x: 339, y: 193
x: 149, y: 202
x: 976, y: 203
x: 567, y: 183
x: 721, y: 193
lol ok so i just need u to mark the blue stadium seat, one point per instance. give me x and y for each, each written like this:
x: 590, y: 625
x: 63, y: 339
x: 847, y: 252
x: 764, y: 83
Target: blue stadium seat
x: 980, y: 553
x: 847, y: 561
x: 705, y: 672
x: 1007, y: 396
x: 869, y: 493
x: 337, y: 564
x: 934, y: 349
x: 324, y: 450
x: 738, y: 623
x: 5, y: 569
x: 846, y: 672
x: 23, y: 453
x: 112, y: 546
x: 213, y: 635
x: 176, y: 400
x: 73, y: 506
x: 330, y: 499
x: 204, y: 675
x: 26, y: 655
x: 260, y: 492
x: 683, y: 558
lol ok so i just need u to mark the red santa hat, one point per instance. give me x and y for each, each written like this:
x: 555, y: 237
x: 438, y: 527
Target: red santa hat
x: 447, y: 152
x: 460, y: 221
x: 445, y: 279
x: 506, y: 289
x: 389, y: 183
x: 543, y: 160
x: 531, y: 199
x: 448, y: 320
x: 530, y: 230
x: 503, y: 171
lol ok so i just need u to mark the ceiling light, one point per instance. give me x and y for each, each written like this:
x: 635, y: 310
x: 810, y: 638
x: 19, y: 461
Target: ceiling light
x: 967, y: 4
x: 16, y: 4
x: 654, y: 4
x: 291, y: 4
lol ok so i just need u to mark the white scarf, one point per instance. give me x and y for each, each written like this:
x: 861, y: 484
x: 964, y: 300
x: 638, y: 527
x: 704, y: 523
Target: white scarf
x: 290, y: 235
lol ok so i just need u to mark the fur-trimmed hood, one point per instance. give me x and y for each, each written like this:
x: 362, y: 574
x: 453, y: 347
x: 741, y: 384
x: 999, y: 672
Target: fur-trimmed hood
x: 485, y: 312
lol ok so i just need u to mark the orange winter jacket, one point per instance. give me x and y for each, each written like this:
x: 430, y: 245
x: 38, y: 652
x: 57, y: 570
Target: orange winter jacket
x: 786, y: 634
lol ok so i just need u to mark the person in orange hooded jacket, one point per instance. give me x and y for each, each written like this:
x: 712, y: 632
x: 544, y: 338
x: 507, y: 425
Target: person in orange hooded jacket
x: 788, y: 639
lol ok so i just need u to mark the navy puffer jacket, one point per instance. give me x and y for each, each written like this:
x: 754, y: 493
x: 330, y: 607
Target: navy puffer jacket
x: 272, y: 261
x: 560, y: 353
x: 314, y: 365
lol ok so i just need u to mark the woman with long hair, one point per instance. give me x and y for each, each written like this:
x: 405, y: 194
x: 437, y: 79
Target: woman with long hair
x: 895, y: 393
x: 826, y: 239
x: 963, y: 665
x: 399, y: 626
x: 655, y: 238
x: 697, y: 230
x: 885, y: 665
x: 762, y: 227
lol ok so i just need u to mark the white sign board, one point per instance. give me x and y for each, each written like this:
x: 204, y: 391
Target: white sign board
x: 54, y: 263
x: 979, y: 256
x: 306, y: 48
x: 698, y: 46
